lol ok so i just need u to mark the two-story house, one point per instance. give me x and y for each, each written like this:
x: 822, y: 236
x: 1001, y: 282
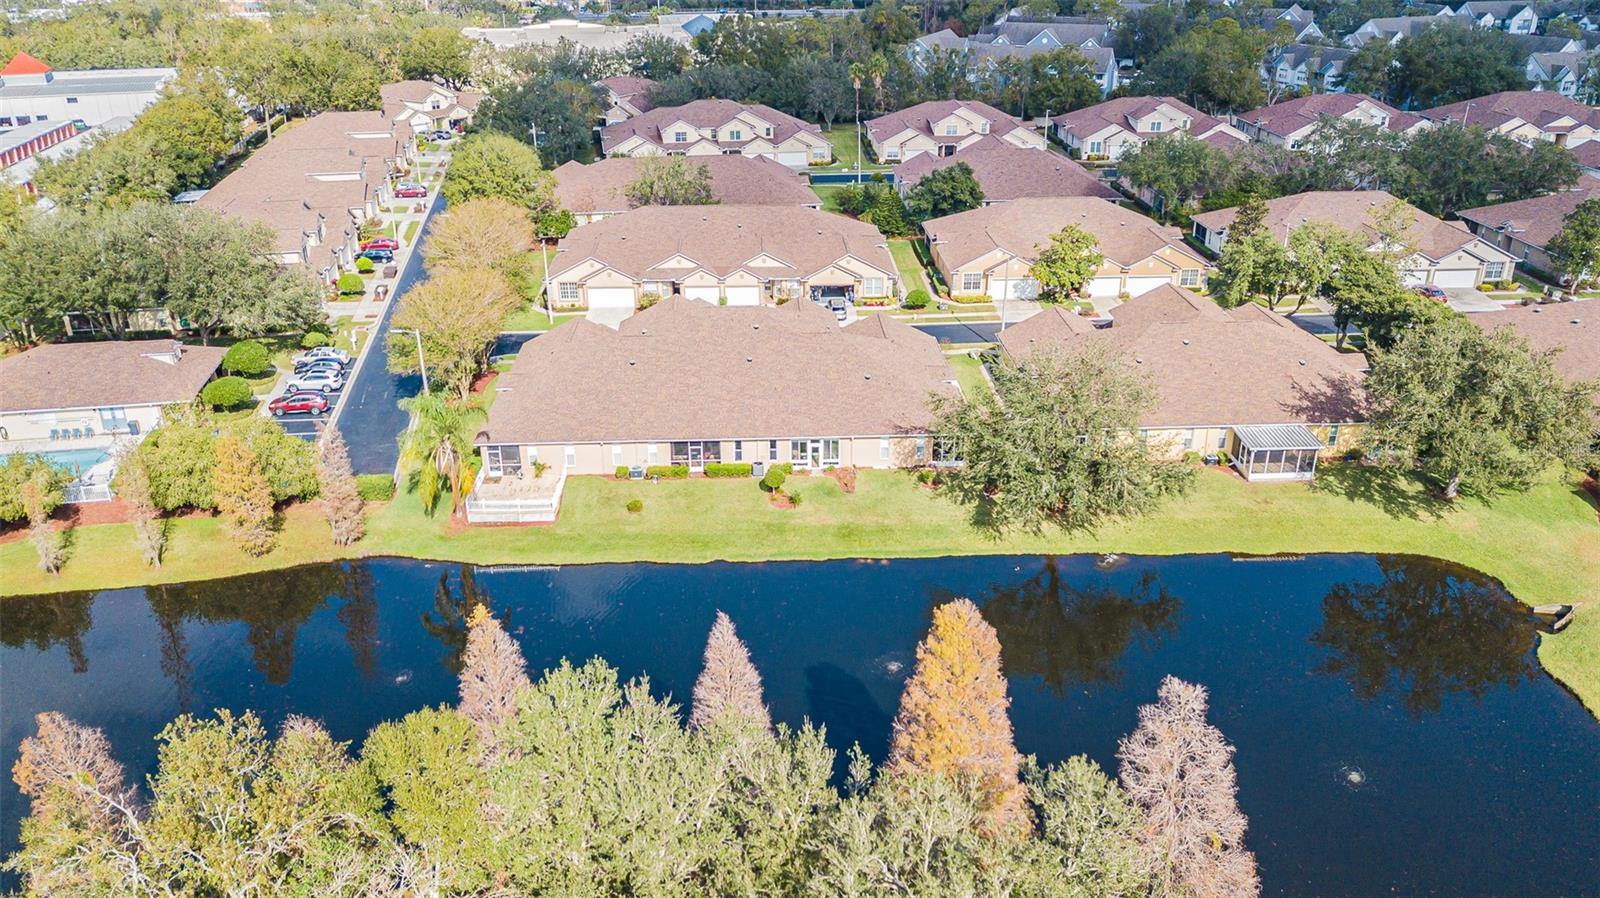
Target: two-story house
x: 1021, y: 37
x: 943, y: 127
x: 1505, y: 15
x: 1526, y: 116
x: 715, y: 127
x: 625, y: 97
x: 1107, y: 130
x: 429, y: 106
x: 1306, y: 67
x: 1289, y: 123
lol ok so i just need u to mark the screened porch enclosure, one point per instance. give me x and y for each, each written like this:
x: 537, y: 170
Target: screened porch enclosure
x: 1276, y: 452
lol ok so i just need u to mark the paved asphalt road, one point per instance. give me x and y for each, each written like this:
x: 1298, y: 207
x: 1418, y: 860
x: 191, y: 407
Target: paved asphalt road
x: 977, y: 332
x: 372, y: 419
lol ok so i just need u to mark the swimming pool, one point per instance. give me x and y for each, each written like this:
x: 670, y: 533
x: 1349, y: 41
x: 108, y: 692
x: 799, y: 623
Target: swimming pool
x: 76, y: 460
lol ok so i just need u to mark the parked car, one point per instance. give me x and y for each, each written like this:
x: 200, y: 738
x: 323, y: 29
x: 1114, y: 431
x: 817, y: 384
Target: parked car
x: 1431, y: 292
x: 839, y: 308
x: 379, y: 256
x: 315, y: 403
x: 442, y: 135
x: 323, y: 381
x: 323, y: 352
x: 388, y: 243
x: 410, y: 190
x: 319, y: 365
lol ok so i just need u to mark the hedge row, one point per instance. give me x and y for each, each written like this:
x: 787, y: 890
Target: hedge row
x: 729, y: 469
x: 375, y: 487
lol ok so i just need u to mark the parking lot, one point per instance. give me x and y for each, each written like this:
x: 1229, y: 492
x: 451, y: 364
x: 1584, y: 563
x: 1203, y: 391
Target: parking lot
x: 307, y: 425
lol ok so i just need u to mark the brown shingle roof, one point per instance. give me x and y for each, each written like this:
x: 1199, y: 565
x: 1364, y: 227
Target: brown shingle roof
x: 1244, y: 366
x: 96, y: 375
x: 1007, y: 172
x: 690, y: 370
x: 1122, y: 112
x: 631, y: 88
x: 1290, y: 116
x: 1124, y: 236
x: 920, y: 118
x: 722, y: 239
x: 1587, y: 153
x: 705, y: 114
x: 1534, y: 221
x: 1350, y: 209
x: 735, y: 180
x: 1538, y: 107
x: 1573, y: 327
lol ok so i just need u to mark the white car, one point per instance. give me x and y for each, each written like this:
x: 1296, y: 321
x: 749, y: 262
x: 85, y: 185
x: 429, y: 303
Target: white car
x: 325, y: 381
x: 323, y: 352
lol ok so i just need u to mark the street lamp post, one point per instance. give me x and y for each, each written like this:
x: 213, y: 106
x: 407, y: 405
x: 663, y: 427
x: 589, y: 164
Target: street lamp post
x: 421, y: 363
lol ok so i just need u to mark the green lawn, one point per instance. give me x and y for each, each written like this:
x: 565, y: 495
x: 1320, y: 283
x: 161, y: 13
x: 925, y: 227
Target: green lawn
x: 905, y: 259
x: 1543, y: 544
x: 829, y: 194
x: 411, y: 231
x: 529, y: 318
x: 843, y: 138
x: 969, y: 374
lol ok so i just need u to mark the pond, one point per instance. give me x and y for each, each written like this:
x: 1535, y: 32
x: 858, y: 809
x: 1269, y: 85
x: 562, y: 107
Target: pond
x: 1395, y: 733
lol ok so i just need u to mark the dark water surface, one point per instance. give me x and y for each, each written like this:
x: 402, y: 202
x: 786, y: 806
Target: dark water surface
x: 1480, y: 775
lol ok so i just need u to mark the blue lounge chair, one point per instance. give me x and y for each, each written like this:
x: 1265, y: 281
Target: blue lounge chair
x: 55, y: 433
x: 88, y: 432
x: 77, y: 433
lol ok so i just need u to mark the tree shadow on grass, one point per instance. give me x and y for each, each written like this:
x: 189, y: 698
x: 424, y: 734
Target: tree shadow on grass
x: 1397, y: 492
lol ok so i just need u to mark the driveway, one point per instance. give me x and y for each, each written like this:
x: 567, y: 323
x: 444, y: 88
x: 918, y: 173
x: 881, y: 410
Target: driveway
x: 1469, y: 300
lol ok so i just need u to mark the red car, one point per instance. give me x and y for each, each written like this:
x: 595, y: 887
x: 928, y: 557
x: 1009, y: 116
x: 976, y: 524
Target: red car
x: 304, y: 401
x: 411, y: 190
x: 1432, y: 292
x: 381, y: 243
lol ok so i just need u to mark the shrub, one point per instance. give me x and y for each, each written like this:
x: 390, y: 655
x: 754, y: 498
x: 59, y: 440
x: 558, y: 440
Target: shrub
x: 728, y: 469
x: 364, y: 265
x: 1223, y: 458
x: 635, y: 506
x: 313, y: 339
x: 621, y: 473
x: 226, y: 392
x: 772, y: 481
x: 1191, y: 457
x: 794, y: 500
x: 375, y: 487
x: 927, y: 476
x: 247, y: 357
x: 648, y: 299
x: 351, y: 283
x: 917, y: 299
x: 667, y: 472
x: 21, y: 468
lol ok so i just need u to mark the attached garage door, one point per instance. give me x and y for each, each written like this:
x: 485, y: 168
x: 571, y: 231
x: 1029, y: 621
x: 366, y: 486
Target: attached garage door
x: 704, y: 294
x: 743, y: 296
x: 796, y: 159
x: 1105, y: 286
x: 1014, y: 288
x: 1456, y: 277
x: 1140, y: 286
x: 610, y: 297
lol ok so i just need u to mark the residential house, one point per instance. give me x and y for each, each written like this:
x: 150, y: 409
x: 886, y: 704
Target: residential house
x: 1299, y: 22
x: 1243, y: 381
x: 1562, y: 73
x: 31, y: 92
x: 990, y: 251
x: 1587, y: 155
x: 1106, y: 130
x: 1006, y: 172
x: 314, y: 185
x: 1446, y: 255
x: 429, y: 106
x: 75, y: 403
x: 589, y: 35
x: 1524, y: 227
x: 943, y: 127
x: 1526, y: 115
x: 1505, y: 15
x: 1572, y: 329
x: 715, y: 127
x: 1306, y: 67
x: 722, y: 255
x: 625, y: 97
x: 599, y: 190
x: 1290, y: 122
x: 685, y: 383
x: 1390, y: 29
x: 1020, y: 38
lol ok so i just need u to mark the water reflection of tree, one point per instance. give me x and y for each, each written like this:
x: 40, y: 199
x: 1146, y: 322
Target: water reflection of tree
x: 1427, y: 628
x: 451, y: 608
x: 1067, y: 635
x: 43, y: 621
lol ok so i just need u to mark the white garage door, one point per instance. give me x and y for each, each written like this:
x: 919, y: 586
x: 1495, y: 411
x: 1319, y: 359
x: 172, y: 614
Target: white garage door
x: 1141, y: 286
x: 795, y: 159
x: 610, y: 297
x: 1014, y: 288
x: 1456, y: 277
x: 1105, y: 286
x: 704, y: 294
x: 743, y: 296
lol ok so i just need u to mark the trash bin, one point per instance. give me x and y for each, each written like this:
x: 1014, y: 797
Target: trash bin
x: 382, y: 293
x: 391, y: 271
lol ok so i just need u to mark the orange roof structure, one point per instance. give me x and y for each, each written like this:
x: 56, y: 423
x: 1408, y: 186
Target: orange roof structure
x: 23, y: 64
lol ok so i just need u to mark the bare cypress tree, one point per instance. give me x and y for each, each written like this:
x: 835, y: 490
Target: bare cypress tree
x: 47, y: 541
x: 953, y: 716
x: 133, y: 486
x: 492, y: 673
x: 1179, y: 769
x: 728, y: 682
x: 63, y: 751
x: 341, y: 499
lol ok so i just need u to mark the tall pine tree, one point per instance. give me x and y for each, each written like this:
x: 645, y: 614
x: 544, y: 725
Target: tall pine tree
x: 728, y: 683
x: 243, y: 496
x: 492, y: 673
x: 341, y: 499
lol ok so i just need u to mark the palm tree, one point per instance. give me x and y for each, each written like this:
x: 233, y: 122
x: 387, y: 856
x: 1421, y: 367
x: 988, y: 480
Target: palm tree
x: 439, y: 443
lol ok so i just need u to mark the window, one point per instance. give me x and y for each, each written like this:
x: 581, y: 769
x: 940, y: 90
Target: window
x: 616, y: 455
x: 1333, y: 435
x: 873, y: 287
x: 570, y: 455
x: 1188, y: 439
x: 944, y: 452
x: 42, y: 117
x: 72, y: 101
x: 738, y: 450
x: 680, y: 137
x: 1095, y: 147
x: 922, y: 449
x: 1155, y: 125
x: 502, y: 461
x: 983, y: 128
x: 568, y: 292
x: 883, y: 450
x: 1222, y: 440
x: 1189, y: 277
x: 971, y: 282
x: 772, y: 450
x: 5, y: 121
x: 735, y: 135
x: 891, y: 152
x: 1494, y: 271
x: 950, y: 130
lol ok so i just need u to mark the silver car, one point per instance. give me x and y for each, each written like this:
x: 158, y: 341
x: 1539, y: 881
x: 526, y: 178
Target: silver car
x: 323, y: 352
x: 325, y: 381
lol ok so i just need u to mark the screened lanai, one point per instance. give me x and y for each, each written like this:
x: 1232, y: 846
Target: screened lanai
x: 1276, y: 452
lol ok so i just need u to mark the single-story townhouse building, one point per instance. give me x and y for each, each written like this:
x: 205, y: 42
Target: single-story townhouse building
x: 717, y: 127
x: 429, y: 106
x: 1503, y: 15
x: 75, y: 403
x: 1289, y: 123
x: 1391, y: 29
x: 1573, y: 328
x: 1562, y: 73
x: 1300, y: 22
x: 1525, y: 115
x: 1447, y: 254
x: 1006, y: 172
x: 625, y: 97
x: 1524, y: 227
x: 599, y: 190
x: 1107, y: 130
x: 1244, y: 381
x: 686, y: 383
x: 943, y: 127
x: 721, y: 255
x: 989, y: 251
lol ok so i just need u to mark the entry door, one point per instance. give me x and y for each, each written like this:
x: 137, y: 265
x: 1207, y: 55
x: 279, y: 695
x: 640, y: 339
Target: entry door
x: 697, y: 456
x: 814, y: 454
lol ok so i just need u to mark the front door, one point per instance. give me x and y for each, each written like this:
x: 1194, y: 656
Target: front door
x: 814, y: 454
x: 697, y: 456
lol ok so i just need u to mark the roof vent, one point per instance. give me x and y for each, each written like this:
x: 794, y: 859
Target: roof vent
x: 755, y: 327
x: 1186, y: 341
x: 1302, y: 363
x: 868, y: 376
x: 749, y: 358
x: 631, y: 363
x: 1577, y: 321
x: 1138, y: 361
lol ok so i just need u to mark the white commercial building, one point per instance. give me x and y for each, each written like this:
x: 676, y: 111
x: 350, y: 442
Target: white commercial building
x: 30, y: 92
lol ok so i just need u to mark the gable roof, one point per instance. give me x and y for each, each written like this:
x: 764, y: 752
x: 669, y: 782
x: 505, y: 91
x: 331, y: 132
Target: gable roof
x: 1536, y: 107
x: 704, y: 114
x: 1352, y: 210
x: 112, y: 373
x: 920, y: 118
x: 1007, y: 172
x: 1290, y: 116
x: 683, y: 369
x: 1211, y: 366
x: 1572, y: 327
x: 1587, y: 153
x: 1122, y: 112
x: 1020, y: 226
x: 631, y: 88
x: 23, y: 64
x: 601, y: 186
x: 1534, y: 221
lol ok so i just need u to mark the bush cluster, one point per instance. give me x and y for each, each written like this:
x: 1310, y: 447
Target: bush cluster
x: 917, y: 299
x: 375, y: 487
x: 247, y: 357
x: 667, y: 472
x: 364, y: 265
x: 772, y: 481
x: 621, y: 473
x: 313, y: 339
x: 226, y: 392
x: 635, y: 506
x: 728, y: 469
x: 351, y: 283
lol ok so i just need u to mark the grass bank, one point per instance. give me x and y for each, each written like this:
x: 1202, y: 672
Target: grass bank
x: 1543, y: 544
